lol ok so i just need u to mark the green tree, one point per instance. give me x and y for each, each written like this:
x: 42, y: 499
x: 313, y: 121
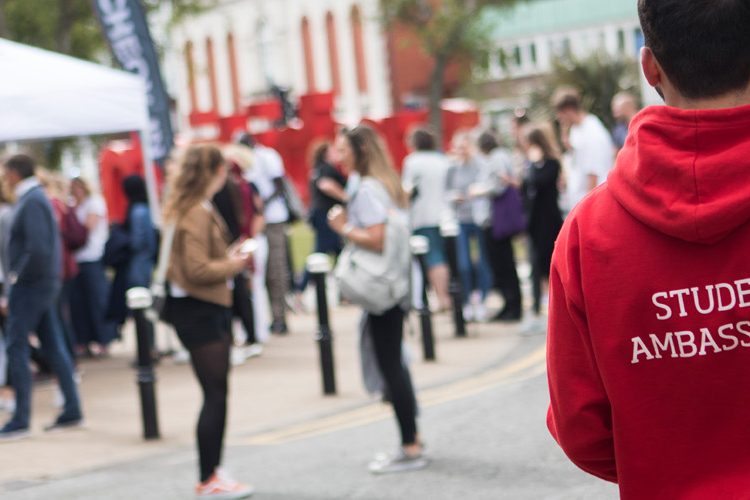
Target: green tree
x: 598, y: 78
x: 448, y: 31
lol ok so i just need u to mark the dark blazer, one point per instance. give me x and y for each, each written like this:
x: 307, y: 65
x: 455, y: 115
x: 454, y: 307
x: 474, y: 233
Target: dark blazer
x: 34, y: 247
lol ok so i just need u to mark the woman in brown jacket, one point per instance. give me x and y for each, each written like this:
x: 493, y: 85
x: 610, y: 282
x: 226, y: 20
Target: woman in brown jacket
x: 202, y: 265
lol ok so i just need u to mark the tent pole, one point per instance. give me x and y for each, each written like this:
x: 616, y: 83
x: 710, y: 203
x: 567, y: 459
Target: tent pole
x: 151, y: 188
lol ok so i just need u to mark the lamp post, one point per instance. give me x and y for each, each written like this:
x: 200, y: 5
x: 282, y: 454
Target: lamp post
x: 139, y: 300
x: 420, y: 245
x: 319, y: 265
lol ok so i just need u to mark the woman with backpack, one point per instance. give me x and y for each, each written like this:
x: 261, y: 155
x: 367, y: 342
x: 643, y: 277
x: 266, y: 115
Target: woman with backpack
x: 364, y: 225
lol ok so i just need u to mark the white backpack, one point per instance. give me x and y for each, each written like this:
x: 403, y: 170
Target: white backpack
x: 378, y: 281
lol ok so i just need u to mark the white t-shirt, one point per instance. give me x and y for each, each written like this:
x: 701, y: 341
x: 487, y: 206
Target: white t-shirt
x: 93, y: 250
x: 427, y: 172
x: 592, y: 154
x: 269, y: 166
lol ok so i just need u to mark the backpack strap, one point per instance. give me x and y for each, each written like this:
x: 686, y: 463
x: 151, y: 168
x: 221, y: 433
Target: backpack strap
x: 160, y: 277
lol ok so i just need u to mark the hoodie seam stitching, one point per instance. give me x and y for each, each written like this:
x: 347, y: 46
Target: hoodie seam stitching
x: 695, y: 177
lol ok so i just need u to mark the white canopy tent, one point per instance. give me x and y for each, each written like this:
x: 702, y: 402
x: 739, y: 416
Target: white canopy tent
x: 46, y: 95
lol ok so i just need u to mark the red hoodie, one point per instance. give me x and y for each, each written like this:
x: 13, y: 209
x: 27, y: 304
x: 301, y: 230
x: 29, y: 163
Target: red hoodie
x: 649, y: 326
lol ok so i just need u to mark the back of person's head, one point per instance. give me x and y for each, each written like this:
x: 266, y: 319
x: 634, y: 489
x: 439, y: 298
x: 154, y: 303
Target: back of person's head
x: 487, y: 142
x: 541, y: 136
x: 702, y: 45
x: 422, y: 139
x: 134, y: 188
x: 245, y: 139
x: 23, y: 165
x: 566, y: 98
x: 371, y: 158
x: 197, y: 168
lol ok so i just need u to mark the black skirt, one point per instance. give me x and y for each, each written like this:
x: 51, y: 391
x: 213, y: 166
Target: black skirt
x: 198, y: 322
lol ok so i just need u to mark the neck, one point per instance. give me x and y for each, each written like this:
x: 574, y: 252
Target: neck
x: 731, y: 100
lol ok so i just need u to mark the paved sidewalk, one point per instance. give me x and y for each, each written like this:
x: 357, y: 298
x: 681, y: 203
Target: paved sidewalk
x: 280, y: 390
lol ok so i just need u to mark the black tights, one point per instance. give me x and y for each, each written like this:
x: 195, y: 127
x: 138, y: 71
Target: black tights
x: 211, y: 366
x: 387, y: 331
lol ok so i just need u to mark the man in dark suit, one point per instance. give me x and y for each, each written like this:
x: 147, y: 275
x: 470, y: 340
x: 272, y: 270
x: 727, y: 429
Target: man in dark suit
x: 34, y: 276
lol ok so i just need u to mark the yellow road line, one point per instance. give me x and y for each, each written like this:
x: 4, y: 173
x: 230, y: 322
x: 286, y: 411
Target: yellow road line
x: 533, y: 364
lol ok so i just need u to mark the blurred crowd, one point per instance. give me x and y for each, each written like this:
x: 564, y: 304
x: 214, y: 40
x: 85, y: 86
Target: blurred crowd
x: 227, y: 262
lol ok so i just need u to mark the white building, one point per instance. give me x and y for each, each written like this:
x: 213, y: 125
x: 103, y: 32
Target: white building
x: 222, y: 59
x: 532, y: 34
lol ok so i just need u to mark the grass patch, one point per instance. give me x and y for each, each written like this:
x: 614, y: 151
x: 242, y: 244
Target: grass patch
x: 301, y: 243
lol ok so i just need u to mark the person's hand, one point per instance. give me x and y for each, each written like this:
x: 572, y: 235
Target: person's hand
x: 4, y: 306
x: 477, y: 191
x: 238, y: 254
x: 337, y: 218
x: 327, y: 184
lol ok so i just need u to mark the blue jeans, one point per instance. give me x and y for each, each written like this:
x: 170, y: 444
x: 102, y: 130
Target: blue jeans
x: 33, y: 308
x: 88, y: 305
x: 474, y: 276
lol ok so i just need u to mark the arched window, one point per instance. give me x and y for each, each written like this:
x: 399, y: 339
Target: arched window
x: 333, y: 54
x: 212, y: 74
x: 359, y: 49
x: 308, y: 53
x: 190, y: 65
x: 234, y: 73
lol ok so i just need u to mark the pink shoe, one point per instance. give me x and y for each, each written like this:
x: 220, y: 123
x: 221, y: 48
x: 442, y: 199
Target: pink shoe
x: 221, y: 486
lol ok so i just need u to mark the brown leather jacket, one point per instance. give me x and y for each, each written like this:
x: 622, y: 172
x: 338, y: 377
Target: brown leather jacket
x: 198, y: 263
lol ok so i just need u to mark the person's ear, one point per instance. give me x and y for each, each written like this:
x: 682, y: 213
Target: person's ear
x: 651, y: 67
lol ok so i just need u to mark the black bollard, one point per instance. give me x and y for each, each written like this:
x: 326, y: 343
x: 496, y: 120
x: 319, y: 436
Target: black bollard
x: 139, y: 300
x: 420, y: 245
x: 449, y: 231
x: 319, y: 265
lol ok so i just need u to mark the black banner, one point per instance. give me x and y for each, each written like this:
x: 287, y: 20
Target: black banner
x: 126, y: 29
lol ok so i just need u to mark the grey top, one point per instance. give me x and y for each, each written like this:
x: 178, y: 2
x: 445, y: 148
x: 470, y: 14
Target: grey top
x: 494, y: 167
x: 367, y: 208
x: 426, y: 171
x: 460, y: 178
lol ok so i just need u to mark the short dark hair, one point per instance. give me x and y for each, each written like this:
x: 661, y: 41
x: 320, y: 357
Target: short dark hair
x: 702, y: 45
x: 23, y: 165
x: 423, y: 140
x: 566, y: 98
x: 487, y: 142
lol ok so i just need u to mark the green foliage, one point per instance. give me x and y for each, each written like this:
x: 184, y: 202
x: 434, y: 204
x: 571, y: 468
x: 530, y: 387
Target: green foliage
x: 448, y: 30
x: 598, y: 77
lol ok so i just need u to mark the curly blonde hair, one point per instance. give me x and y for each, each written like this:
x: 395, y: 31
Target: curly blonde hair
x: 188, y: 187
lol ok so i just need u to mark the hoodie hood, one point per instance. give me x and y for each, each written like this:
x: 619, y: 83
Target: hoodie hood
x: 686, y: 173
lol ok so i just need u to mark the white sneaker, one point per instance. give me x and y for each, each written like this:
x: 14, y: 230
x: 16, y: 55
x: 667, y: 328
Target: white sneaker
x: 58, y: 400
x: 181, y: 357
x: 480, y: 312
x: 253, y: 350
x: 238, y: 356
x: 468, y: 313
x: 8, y: 405
x: 398, y: 462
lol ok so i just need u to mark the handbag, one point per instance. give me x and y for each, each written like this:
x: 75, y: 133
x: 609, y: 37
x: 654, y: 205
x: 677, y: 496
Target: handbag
x: 507, y: 214
x: 117, y: 249
x: 377, y: 281
x: 74, y: 234
x: 159, y: 286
